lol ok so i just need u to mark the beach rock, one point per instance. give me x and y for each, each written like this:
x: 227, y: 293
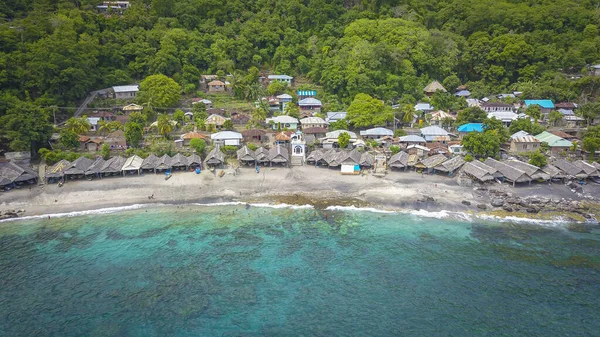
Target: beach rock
x: 425, y: 198
x: 532, y: 210
x: 514, y: 201
x: 482, y: 206
x: 524, y: 203
x: 497, y: 202
x: 466, y: 203
x: 507, y: 208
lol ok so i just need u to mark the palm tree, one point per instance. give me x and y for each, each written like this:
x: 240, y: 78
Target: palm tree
x: 164, y: 125
x: 79, y: 126
x: 409, y: 114
x: 103, y: 127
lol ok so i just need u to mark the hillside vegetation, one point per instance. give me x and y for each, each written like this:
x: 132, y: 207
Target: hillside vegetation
x: 53, y: 52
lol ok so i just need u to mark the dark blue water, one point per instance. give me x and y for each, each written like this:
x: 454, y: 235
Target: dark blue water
x: 204, y: 271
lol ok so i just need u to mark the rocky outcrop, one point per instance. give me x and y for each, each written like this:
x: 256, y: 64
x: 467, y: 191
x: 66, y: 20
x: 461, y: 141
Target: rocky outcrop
x: 11, y: 213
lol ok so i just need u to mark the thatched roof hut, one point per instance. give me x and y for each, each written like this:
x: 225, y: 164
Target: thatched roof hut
x: 451, y: 165
x: 479, y: 171
x: 79, y: 166
x: 133, y: 163
x: 113, y: 165
x: 13, y: 173
x: 569, y: 168
x: 163, y: 163
x: 589, y: 169
x: 150, y: 162
x: 351, y: 157
x: 262, y: 155
x: 246, y: 155
x: 510, y: 173
x: 57, y: 170
x: 279, y: 155
x: 399, y: 160
x: 554, y: 172
x: 533, y: 171
x: 95, y: 167
x: 179, y: 161
x: 314, y: 156
x: 367, y: 160
x: 431, y: 162
x: 215, y: 157
x: 328, y: 157
x: 334, y: 157
x: 194, y: 160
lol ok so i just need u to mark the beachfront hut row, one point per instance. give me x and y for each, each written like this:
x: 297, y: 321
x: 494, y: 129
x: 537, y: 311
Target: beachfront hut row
x: 509, y: 173
x: 479, y: 171
x: 215, y: 158
x: 13, y: 174
x: 429, y: 164
x: 278, y: 155
x: 451, y: 165
x: 338, y: 157
x: 399, y: 161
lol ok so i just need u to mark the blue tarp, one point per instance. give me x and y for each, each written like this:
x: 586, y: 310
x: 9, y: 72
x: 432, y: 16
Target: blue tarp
x: 544, y: 103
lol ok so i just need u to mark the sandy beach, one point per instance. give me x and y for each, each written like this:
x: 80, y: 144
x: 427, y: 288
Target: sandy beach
x: 320, y: 187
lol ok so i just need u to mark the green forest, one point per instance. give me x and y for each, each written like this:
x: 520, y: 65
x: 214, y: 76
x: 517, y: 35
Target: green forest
x: 54, y: 52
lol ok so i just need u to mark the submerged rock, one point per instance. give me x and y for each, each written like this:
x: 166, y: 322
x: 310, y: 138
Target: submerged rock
x: 482, y: 206
x: 507, y: 208
x: 466, y: 203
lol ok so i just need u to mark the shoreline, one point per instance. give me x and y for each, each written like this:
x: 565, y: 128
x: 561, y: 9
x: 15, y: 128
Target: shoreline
x: 306, y: 185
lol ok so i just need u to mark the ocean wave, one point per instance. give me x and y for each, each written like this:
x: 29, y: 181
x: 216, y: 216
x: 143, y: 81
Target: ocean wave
x: 266, y: 205
x: 358, y: 209
x: 86, y: 212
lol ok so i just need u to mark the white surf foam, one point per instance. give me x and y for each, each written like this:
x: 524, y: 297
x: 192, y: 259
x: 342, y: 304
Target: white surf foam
x: 358, y: 209
x: 86, y: 212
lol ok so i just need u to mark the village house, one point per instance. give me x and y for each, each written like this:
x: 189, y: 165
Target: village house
x: 216, y: 120
x: 546, y: 105
x: 376, y: 133
x: 331, y: 138
x: 439, y: 117
x: 424, y: 107
x: 281, y: 78
x: 523, y: 142
x: 312, y: 134
x: 129, y: 108
x: 412, y: 139
x: 495, y: 107
x: 566, y: 108
x: 462, y: 93
x: 435, y: 134
x: 432, y: 87
x: 310, y: 104
x: 557, y: 144
x: 207, y: 103
x: 313, y: 122
x: 216, y: 86
x: 125, y: 91
x: 333, y: 117
x: 227, y: 138
x: 506, y: 117
x: 572, y: 121
x: 284, y: 100
x: 282, y: 122
x: 254, y: 135
x: 473, y: 102
x: 113, y: 6
x: 91, y: 144
x: 187, y: 137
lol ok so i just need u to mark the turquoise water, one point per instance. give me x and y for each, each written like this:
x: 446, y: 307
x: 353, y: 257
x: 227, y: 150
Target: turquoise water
x: 232, y: 271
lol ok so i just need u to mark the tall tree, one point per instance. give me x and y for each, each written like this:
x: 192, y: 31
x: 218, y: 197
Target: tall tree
x: 26, y: 126
x: 365, y: 111
x: 159, y: 89
x: 164, y: 125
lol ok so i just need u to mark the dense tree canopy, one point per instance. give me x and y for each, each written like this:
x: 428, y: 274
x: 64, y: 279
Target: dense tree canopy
x: 53, y: 53
x: 365, y: 111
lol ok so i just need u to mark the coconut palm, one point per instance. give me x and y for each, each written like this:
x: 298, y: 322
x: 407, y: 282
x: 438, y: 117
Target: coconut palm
x: 78, y: 126
x: 409, y: 114
x: 164, y: 125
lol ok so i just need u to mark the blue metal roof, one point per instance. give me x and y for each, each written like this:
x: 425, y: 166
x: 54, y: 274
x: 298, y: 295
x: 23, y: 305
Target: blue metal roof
x: 471, y: 127
x: 544, y: 103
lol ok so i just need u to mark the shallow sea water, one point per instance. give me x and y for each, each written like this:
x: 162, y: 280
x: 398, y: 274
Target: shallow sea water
x: 231, y: 271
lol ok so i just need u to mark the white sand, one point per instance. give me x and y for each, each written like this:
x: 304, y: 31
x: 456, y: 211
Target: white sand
x: 398, y: 190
